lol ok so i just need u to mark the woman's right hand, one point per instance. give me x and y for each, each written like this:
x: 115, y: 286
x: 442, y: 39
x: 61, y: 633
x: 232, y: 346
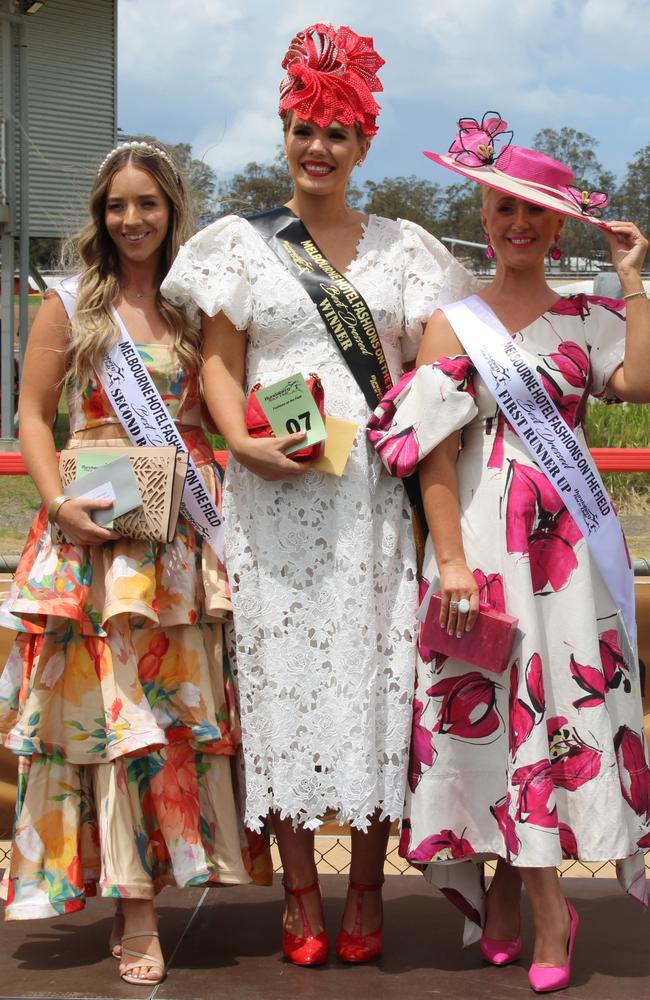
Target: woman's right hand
x: 457, y: 583
x: 628, y: 247
x: 77, y: 525
x: 266, y: 458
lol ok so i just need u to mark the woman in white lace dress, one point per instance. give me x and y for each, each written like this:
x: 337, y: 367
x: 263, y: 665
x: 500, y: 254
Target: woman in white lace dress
x: 322, y: 568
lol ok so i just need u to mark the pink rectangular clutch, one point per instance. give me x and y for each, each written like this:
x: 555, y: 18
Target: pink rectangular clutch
x: 487, y: 646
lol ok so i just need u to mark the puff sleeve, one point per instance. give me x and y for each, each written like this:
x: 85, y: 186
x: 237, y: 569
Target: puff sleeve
x: 210, y: 273
x: 605, y: 335
x: 431, y: 277
x: 424, y: 408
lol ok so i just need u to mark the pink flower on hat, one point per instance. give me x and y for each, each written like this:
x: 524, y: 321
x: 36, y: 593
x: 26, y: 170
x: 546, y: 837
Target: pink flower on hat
x: 588, y: 202
x: 474, y: 145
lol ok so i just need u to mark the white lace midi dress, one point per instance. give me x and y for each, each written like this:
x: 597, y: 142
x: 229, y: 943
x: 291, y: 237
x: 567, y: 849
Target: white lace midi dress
x: 322, y: 569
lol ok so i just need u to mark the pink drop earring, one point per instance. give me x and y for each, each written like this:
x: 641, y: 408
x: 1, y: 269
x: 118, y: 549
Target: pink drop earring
x: 489, y: 250
x: 556, y: 251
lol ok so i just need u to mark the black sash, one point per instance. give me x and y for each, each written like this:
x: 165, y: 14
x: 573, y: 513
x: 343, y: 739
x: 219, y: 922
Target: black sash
x: 342, y: 308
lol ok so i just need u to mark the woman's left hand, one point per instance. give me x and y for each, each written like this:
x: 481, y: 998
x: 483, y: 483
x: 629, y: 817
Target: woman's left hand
x: 628, y: 247
x: 459, y: 602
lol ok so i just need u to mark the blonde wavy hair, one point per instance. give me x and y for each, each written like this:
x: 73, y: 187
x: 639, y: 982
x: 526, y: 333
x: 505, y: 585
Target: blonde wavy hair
x: 94, y: 255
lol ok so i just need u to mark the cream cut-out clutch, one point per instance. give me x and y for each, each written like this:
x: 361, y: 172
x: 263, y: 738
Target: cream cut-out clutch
x: 160, y: 474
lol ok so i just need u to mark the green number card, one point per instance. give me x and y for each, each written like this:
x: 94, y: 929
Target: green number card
x: 290, y: 407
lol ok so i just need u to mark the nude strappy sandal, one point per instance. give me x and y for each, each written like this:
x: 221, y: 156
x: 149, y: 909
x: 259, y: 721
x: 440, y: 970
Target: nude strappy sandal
x: 142, y: 960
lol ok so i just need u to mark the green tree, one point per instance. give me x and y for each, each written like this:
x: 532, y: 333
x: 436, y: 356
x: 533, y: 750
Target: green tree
x: 259, y: 187
x: 405, y: 198
x: 462, y: 211
x: 579, y: 243
x: 634, y: 192
x: 577, y: 150
x: 202, y: 182
x: 461, y: 219
x: 452, y: 212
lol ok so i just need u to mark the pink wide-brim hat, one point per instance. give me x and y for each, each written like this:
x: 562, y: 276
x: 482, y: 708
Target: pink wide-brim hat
x: 522, y: 173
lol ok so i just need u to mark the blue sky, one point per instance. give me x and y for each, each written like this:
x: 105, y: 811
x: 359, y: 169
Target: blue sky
x: 207, y: 72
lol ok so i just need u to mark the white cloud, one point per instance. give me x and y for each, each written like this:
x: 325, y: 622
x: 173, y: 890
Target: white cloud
x: 618, y: 32
x: 238, y: 137
x: 207, y: 72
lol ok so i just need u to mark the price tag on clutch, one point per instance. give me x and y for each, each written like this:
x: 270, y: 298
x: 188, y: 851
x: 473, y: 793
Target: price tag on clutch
x: 289, y: 407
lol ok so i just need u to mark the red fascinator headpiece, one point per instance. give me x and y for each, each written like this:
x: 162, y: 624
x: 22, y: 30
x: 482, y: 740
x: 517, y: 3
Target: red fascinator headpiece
x: 331, y: 73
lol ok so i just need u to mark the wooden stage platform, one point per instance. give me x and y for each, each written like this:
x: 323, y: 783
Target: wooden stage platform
x: 223, y: 944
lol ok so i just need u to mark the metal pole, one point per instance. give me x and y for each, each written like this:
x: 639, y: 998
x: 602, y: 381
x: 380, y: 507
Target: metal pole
x: 23, y: 119
x: 7, y: 243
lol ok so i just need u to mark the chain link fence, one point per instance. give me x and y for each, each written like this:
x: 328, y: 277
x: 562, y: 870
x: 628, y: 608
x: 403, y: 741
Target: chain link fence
x: 333, y: 858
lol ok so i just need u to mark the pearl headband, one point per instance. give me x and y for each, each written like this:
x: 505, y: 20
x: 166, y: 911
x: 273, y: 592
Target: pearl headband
x: 139, y: 146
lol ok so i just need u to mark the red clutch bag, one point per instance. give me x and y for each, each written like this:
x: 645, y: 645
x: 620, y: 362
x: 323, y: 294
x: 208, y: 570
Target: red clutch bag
x: 487, y: 646
x: 258, y: 425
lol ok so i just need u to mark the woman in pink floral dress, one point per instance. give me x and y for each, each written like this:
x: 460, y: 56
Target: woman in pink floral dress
x: 545, y: 761
x: 115, y: 696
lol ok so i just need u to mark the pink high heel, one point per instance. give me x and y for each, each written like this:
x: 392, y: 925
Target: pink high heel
x: 500, y: 952
x: 546, y: 979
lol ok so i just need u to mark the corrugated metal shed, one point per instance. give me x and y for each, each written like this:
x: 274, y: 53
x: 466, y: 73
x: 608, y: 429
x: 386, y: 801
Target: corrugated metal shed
x: 71, y: 71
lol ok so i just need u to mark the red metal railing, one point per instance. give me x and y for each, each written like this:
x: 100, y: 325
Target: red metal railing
x: 622, y: 459
x: 607, y: 460
x: 11, y: 462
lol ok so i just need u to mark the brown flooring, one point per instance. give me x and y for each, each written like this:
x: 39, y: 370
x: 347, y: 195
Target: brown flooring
x: 224, y: 943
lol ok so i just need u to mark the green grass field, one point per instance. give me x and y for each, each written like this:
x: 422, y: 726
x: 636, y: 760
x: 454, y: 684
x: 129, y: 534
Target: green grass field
x: 624, y: 425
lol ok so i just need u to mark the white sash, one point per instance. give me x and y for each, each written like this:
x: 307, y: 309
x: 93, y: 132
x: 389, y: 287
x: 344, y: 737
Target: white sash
x: 145, y: 418
x: 552, y: 444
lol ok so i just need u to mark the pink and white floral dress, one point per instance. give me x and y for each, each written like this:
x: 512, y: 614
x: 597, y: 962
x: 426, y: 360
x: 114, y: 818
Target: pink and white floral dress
x: 546, y: 761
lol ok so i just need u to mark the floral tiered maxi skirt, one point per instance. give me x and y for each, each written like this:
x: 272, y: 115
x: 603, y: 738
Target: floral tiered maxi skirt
x: 121, y: 707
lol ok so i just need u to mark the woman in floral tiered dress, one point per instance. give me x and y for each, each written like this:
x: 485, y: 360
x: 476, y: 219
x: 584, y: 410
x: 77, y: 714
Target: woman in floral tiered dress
x: 116, y: 696
x: 547, y: 760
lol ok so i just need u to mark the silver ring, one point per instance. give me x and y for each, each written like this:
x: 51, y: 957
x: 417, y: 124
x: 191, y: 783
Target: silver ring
x: 453, y: 605
x: 463, y: 606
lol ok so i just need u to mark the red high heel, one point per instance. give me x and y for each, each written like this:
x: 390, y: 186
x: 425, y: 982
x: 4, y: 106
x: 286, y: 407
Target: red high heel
x: 355, y: 946
x: 311, y: 949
